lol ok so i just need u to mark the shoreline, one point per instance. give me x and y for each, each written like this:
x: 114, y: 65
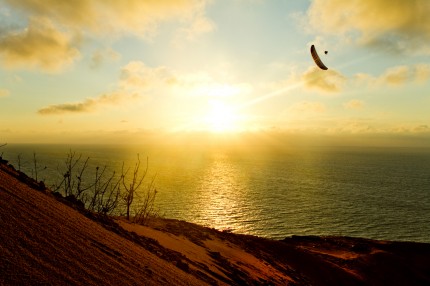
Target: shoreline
x: 38, y: 227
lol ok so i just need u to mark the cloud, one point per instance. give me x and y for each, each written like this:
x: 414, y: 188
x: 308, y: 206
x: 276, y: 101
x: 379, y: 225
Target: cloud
x: 113, y: 16
x: 397, y: 25
x: 396, y: 76
x: 410, y: 129
x: 199, y: 25
x: 421, y: 128
x: 307, y: 107
x: 405, y: 74
x: 88, y: 105
x: 353, y: 104
x: 4, y: 92
x: 14, y: 79
x: 103, y: 55
x: 137, y: 76
x: 40, y: 45
x: 139, y: 81
x: 329, y: 81
x: 78, y: 107
x: 422, y: 72
x: 353, y: 126
x: 46, y: 43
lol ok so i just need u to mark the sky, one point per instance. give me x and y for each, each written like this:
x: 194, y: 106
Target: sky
x: 120, y: 71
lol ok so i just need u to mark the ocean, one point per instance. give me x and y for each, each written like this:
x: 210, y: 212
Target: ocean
x: 377, y: 193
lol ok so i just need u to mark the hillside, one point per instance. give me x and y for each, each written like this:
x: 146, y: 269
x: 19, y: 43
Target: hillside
x: 46, y: 241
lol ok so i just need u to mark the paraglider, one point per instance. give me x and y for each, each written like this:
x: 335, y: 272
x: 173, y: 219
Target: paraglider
x: 317, y: 59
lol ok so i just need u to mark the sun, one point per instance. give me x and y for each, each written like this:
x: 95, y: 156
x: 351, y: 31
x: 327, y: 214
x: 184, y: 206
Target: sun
x: 221, y: 117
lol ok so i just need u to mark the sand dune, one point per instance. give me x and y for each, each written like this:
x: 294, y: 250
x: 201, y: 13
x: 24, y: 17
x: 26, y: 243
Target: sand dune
x: 46, y: 242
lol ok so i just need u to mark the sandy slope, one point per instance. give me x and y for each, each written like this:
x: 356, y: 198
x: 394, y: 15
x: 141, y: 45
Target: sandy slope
x: 44, y: 241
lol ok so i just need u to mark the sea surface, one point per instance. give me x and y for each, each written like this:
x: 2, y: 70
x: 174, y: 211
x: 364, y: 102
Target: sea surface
x: 378, y: 193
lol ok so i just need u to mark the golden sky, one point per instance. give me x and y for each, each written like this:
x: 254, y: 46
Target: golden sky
x: 112, y: 70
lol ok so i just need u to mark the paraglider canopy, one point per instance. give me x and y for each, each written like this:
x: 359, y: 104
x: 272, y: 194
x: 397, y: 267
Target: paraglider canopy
x: 317, y: 59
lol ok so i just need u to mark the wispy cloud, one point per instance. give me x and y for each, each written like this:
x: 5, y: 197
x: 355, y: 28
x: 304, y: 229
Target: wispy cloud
x: 353, y: 104
x: 88, y: 105
x: 139, y: 81
x: 200, y: 25
x: 396, y: 76
x: 405, y: 74
x: 329, y: 81
x: 137, y: 75
x: 107, y: 17
x: 135, y: 80
x: 411, y: 129
x: 40, y: 45
x: 4, y: 92
x: 103, y: 55
x: 422, y: 72
x: 51, y: 41
x: 307, y: 107
x: 421, y: 128
x: 401, y: 26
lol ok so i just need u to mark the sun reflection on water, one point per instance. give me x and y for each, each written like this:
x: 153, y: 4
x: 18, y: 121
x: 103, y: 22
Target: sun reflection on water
x: 222, y: 194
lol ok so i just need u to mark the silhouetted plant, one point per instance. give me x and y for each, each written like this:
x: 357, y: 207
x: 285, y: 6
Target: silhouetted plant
x: 73, y: 184
x: 131, y: 187
x: 136, y: 198
x: 36, y: 168
x: 145, y: 206
x: 19, y: 162
x: 105, y: 194
x: 100, y: 194
x: 109, y: 200
x: 2, y: 145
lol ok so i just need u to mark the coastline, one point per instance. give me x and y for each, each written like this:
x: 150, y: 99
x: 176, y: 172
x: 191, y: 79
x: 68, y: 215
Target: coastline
x: 48, y: 240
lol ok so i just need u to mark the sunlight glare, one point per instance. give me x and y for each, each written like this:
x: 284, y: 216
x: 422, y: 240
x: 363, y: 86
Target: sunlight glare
x: 221, y: 117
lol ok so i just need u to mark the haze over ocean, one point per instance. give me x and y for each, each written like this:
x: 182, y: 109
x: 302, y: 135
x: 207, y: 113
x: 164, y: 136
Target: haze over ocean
x: 379, y: 193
